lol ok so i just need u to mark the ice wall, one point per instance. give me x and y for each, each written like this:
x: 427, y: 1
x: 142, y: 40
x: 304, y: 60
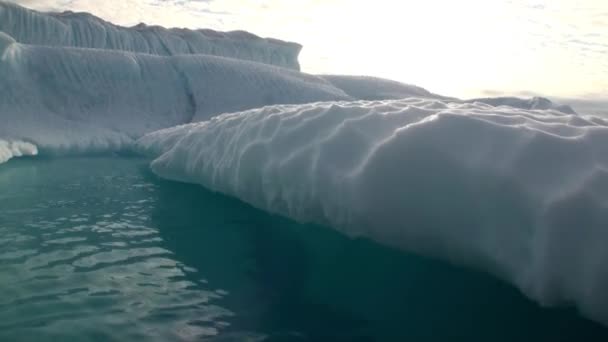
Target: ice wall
x: 522, y: 194
x: 87, y: 31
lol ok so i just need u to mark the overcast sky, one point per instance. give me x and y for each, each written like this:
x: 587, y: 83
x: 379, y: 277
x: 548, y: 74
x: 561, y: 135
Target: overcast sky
x: 460, y: 48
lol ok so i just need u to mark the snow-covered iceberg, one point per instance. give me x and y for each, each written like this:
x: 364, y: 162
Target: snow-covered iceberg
x: 522, y: 194
x: 87, y: 100
x: 87, y: 31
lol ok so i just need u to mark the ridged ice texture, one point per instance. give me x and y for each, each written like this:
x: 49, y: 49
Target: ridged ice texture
x: 87, y: 31
x: 72, y: 100
x: 521, y: 194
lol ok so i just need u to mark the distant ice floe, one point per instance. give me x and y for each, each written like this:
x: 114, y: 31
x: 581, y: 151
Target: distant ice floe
x: 522, y: 194
x: 87, y: 31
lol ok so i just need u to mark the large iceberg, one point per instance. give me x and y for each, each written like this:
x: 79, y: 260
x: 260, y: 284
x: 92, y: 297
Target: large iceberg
x: 87, y: 31
x: 516, y: 187
x: 68, y: 100
x: 522, y: 194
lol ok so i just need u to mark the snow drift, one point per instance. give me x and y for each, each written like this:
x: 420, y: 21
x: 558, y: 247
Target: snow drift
x: 68, y: 100
x: 522, y: 194
x: 87, y: 31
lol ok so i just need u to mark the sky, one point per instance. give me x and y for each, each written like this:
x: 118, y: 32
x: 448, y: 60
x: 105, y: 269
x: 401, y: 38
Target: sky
x: 462, y: 48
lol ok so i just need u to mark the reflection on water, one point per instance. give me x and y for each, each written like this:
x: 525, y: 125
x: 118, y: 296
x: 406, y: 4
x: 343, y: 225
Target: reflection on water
x: 101, y: 250
x: 82, y: 259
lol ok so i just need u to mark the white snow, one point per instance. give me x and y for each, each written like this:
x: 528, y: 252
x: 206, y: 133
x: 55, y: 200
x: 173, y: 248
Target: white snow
x: 522, y: 194
x: 87, y: 31
x: 73, y: 100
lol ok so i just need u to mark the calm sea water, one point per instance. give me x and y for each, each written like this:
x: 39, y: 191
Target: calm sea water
x: 99, y: 249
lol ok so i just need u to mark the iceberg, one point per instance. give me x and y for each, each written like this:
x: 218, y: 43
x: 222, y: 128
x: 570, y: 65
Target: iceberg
x: 75, y: 100
x: 514, y: 187
x: 87, y: 31
x: 521, y: 194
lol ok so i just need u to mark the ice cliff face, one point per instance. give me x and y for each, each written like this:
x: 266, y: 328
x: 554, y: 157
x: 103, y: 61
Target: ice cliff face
x: 522, y: 194
x: 87, y: 31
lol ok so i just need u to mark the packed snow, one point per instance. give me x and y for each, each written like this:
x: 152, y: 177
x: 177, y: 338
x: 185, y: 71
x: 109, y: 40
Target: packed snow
x: 522, y: 194
x: 73, y: 100
x: 87, y: 31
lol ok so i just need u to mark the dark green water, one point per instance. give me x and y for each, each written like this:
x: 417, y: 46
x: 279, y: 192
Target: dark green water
x: 99, y: 249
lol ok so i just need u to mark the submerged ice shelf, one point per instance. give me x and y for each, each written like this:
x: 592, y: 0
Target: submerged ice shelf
x: 522, y: 194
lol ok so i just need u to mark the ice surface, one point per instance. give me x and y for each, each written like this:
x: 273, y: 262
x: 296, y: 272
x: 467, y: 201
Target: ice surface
x: 73, y: 100
x: 88, y: 31
x: 522, y: 194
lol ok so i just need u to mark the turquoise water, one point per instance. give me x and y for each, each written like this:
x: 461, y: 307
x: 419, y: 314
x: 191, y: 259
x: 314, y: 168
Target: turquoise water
x: 99, y: 249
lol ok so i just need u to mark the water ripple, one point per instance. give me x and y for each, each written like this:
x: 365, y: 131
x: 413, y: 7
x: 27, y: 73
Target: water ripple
x: 81, y: 258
